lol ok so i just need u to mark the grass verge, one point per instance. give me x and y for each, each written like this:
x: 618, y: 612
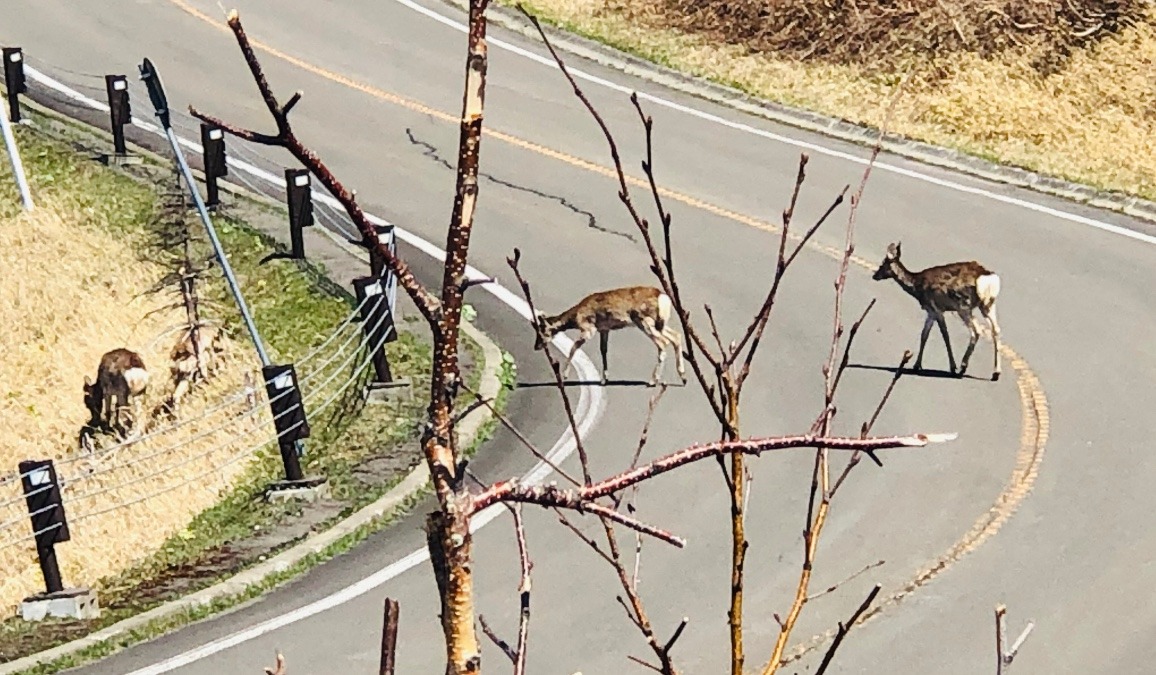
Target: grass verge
x: 362, y: 450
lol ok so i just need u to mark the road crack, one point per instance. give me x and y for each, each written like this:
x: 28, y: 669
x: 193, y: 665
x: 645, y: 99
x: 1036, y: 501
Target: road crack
x: 430, y: 151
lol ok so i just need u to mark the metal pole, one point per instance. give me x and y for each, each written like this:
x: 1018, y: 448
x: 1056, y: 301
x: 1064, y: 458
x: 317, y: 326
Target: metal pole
x: 160, y: 102
x: 53, y: 583
x: 14, y: 79
x: 46, y: 511
x: 119, y: 110
x: 17, y: 165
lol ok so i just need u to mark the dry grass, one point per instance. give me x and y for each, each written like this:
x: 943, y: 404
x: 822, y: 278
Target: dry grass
x: 1088, y: 117
x: 885, y: 35
x: 72, y: 290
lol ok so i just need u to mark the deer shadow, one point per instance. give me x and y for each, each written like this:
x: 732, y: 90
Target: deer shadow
x: 585, y: 383
x: 934, y: 373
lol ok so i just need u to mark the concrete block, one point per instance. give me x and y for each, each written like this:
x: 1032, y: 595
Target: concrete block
x: 307, y: 490
x: 71, y: 603
x: 113, y: 159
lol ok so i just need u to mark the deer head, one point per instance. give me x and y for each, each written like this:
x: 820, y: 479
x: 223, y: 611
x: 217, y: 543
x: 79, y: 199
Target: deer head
x: 889, y: 267
x: 547, y: 327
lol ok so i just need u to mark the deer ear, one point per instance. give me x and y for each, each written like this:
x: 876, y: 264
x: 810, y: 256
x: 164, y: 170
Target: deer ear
x: 898, y: 249
x: 87, y: 382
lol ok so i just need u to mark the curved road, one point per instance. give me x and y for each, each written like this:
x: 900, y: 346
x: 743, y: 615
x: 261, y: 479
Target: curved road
x: 383, y: 84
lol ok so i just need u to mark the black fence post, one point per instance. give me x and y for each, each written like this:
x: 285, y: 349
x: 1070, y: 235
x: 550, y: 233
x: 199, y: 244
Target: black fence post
x: 377, y: 322
x: 288, y: 415
x: 14, y: 81
x: 49, y: 525
x: 377, y: 266
x: 213, y: 144
x: 119, y: 110
x: 299, y: 194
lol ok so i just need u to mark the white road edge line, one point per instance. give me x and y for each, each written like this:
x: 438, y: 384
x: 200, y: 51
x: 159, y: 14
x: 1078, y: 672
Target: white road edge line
x: 746, y: 128
x: 591, y: 404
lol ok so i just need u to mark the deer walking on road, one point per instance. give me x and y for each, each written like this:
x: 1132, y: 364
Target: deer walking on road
x: 122, y: 376
x: 647, y: 308
x: 960, y: 287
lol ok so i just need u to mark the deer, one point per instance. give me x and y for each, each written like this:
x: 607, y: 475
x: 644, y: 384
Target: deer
x: 190, y: 361
x: 960, y: 287
x: 122, y: 376
x: 647, y: 308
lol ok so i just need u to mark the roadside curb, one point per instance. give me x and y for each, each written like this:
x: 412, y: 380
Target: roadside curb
x: 839, y: 129
x: 469, y: 430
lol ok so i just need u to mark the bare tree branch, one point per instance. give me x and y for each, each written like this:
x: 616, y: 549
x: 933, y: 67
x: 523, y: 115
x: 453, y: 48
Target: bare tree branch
x: 538, y: 454
x: 426, y: 303
x: 845, y: 628
x: 389, y: 637
x: 643, y: 226
x: 583, y: 459
x: 545, y: 495
x: 834, y: 587
x: 501, y: 644
x: 821, y: 479
x: 1005, y: 657
x: 523, y: 593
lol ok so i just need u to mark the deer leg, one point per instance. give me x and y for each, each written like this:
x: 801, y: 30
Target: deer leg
x: 582, y: 338
x: 974, y: 329
x: 603, y: 343
x: 990, y: 314
x: 138, y: 420
x: 930, y: 319
x: 946, y: 340
x: 673, y: 337
x: 570, y: 357
x: 647, y: 326
x: 107, y: 409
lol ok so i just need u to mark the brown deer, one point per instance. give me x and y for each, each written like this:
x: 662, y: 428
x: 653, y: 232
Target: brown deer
x: 122, y: 376
x: 959, y: 287
x: 191, y: 362
x: 643, y: 306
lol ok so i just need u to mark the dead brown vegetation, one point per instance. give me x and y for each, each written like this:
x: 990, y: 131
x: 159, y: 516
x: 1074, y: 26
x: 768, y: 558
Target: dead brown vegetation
x: 880, y: 34
x: 1087, y: 116
x: 56, y: 320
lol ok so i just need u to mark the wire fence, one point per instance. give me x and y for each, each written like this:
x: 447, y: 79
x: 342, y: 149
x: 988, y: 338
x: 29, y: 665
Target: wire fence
x: 186, y: 463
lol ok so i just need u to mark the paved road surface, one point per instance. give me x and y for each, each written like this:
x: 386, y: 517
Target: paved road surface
x: 1075, y: 306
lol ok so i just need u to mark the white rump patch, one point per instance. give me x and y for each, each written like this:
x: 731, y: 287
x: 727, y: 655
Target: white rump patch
x: 136, y: 379
x: 987, y: 287
x: 665, y: 306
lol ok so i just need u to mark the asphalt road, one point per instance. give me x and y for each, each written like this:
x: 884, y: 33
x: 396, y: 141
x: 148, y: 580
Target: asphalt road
x: 382, y: 87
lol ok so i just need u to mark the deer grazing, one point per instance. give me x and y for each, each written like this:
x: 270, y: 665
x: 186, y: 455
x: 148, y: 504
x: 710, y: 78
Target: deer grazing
x: 645, y: 307
x: 960, y: 287
x: 122, y: 376
x: 191, y: 362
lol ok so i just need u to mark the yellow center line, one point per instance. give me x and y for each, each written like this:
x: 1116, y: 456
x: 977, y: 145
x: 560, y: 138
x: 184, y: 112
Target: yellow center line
x: 1035, y: 420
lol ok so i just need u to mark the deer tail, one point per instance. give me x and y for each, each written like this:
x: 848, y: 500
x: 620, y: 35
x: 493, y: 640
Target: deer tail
x: 665, y: 307
x: 136, y: 379
x: 987, y: 287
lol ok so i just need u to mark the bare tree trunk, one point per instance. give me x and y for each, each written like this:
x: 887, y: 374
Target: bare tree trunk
x: 450, y: 547
x: 449, y: 537
x: 738, y: 534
